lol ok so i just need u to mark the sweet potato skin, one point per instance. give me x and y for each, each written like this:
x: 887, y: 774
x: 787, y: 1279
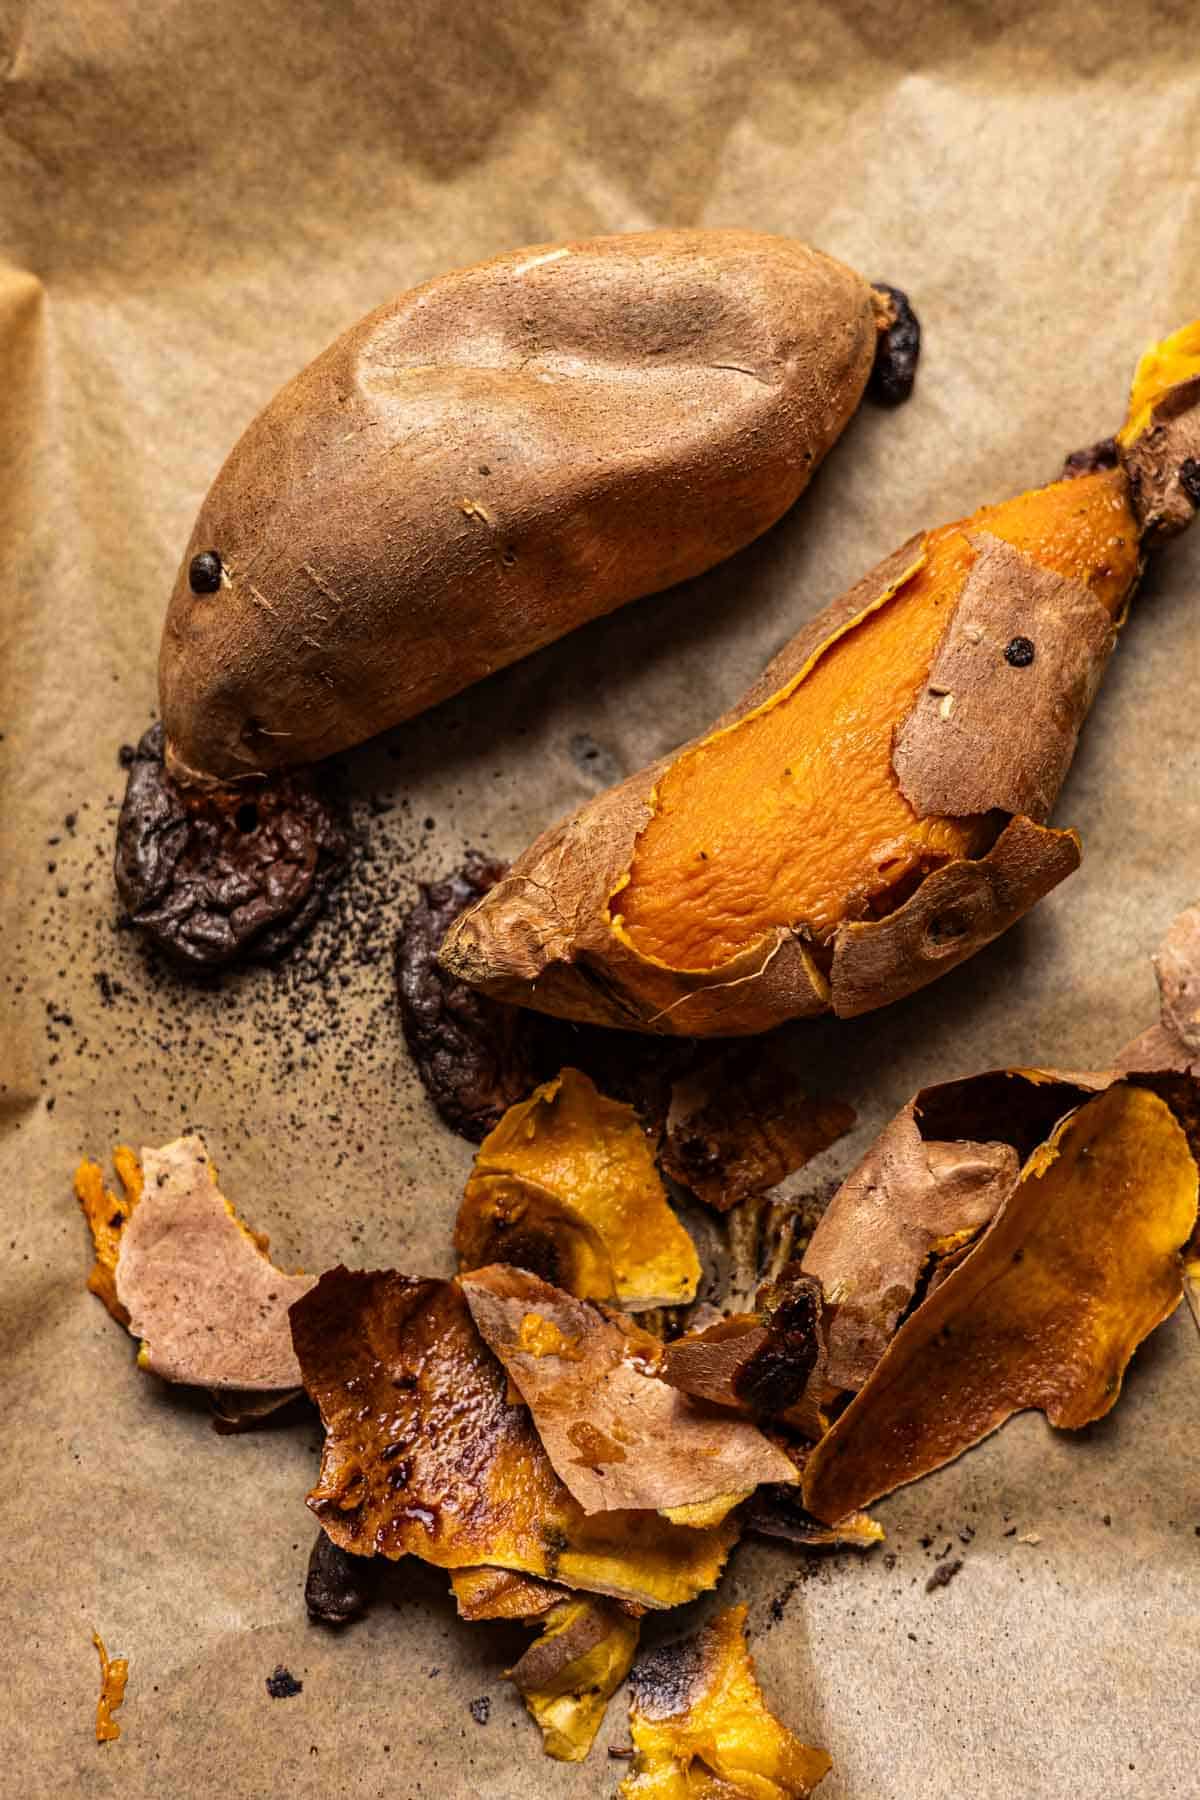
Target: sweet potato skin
x: 490, y: 460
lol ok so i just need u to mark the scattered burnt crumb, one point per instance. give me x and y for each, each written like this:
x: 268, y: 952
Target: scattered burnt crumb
x: 1091, y: 459
x: 898, y: 350
x: 1106, y: 1519
x: 889, y: 1560
x: 1189, y: 479
x: 966, y: 1534
x: 339, y: 1585
x: 779, y: 1604
x: 481, y: 1709
x: 592, y: 760
x: 1020, y: 652
x: 282, y: 1684
x: 215, y: 876
x: 1011, y: 1532
x: 926, y: 1543
x: 476, y: 1057
x: 944, y: 1574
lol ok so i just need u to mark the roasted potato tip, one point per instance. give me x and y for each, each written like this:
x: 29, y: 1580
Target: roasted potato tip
x: 569, y: 1675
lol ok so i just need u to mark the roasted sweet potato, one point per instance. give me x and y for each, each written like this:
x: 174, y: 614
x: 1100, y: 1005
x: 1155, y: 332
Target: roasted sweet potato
x: 617, y: 1436
x: 873, y: 811
x: 486, y: 462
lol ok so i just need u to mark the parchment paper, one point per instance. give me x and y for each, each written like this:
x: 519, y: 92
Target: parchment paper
x: 193, y: 201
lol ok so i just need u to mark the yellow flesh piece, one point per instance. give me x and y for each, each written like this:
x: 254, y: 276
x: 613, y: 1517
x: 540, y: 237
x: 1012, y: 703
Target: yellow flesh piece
x: 794, y: 816
x: 1176, y: 359
x: 574, y: 1168
x: 570, y: 1709
x: 114, y: 1673
x: 720, y: 1738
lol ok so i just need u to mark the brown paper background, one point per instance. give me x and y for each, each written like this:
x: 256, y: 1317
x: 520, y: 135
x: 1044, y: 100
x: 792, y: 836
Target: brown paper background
x: 193, y: 201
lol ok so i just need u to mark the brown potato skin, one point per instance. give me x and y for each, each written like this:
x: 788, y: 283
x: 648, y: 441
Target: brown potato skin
x: 492, y: 459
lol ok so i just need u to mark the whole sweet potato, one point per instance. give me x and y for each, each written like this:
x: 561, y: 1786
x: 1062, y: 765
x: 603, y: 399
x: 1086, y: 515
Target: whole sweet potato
x: 494, y: 458
x: 873, y: 810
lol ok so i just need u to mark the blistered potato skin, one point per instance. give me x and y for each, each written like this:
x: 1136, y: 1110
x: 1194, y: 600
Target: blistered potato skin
x: 492, y: 459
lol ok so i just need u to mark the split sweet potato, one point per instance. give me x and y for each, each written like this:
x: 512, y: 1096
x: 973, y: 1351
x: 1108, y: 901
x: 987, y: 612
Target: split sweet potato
x: 484, y: 463
x: 873, y: 811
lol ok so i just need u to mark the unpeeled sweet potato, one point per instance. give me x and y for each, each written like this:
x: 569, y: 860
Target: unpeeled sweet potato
x: 486, y: 462
x: 873, y: 811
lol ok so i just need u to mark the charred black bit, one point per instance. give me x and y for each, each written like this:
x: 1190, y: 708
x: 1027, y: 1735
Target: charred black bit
x: 943, y: 1575
x: 477, y: 1057
x: 211, y: 877
x: 1189, y: 479
x: 897, y: 352
x: 1020, y: 652
x: 283, y: 1684
x: 481, y: 1709
x: 792, y: 1310
x: 663, y: 1680
x: 1091, y: 459
x: 775, y: 1512
x: 204, y: 572
x: 339, y: 1585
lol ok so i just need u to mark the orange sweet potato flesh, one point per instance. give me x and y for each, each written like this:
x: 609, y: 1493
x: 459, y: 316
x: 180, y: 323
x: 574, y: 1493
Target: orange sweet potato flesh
x: 795, y: 815
x: 107, y: 1216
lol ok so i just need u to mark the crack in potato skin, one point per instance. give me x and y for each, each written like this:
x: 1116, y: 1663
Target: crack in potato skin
x: 794, y: 815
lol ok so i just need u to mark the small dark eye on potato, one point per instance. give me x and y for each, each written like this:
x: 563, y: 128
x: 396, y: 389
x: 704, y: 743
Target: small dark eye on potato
x: 204, y: 572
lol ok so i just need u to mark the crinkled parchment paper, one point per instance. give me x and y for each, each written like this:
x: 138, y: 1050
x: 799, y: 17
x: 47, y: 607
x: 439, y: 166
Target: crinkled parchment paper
x: 193, y: 201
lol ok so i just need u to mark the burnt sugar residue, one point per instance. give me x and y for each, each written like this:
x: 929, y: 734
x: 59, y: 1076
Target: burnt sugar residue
x: 211, y: 877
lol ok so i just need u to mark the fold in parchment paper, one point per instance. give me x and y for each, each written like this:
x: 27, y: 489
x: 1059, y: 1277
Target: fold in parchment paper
x: 193, y: 202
